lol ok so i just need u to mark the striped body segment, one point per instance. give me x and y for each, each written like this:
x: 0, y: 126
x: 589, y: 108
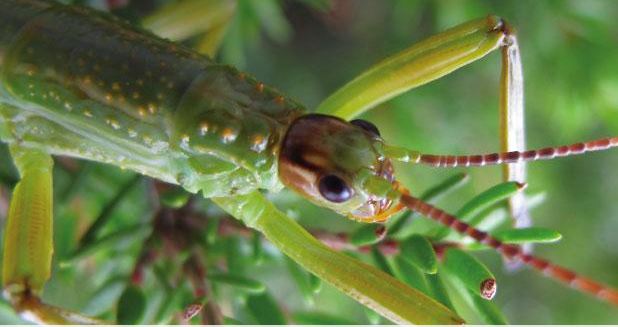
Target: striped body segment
x: 80, y: 83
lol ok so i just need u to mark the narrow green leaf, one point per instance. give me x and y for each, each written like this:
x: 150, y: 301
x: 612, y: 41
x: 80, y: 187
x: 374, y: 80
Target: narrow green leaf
x: 212, y: 231
x: 437, y: 288
x: 380, y: 260
x: 489, y: 197
x: 367, y: 234
x: 409, y: 274
x: 242, y: 283
x: 470, y: 272
x: 320, y: 5
x: 265, y: 310
x: 486, y: 310
x: 105, y: 297
x: 301, y: 279
x: 135, y: 232
x: 481, y: 202
x: 373, y: 317
x: 315, y: 283
x: 257, y: 248
x: 317, y: 318
x: 131, y: 306
x: 175, y: 197
x: 272, y: 19
x: 418, y: 251
x: 235, y: 257
x: 105, y: 215
x: 433, y: 194
x: 528, y: 235
x: 231, y: 321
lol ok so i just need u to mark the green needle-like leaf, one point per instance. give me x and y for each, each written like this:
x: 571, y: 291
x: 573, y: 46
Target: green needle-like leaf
x: 318, y: 318
x: 131, y: 306
x: 528, y: 235
x: 419, y: 251
x: 367, y: 234
x: 481, y: 202
x: 409, y: 273
x: 301, y: 279
x: 470, y: 272
x: 488, y: 312
x: 265, y: 310
x: 242, y: 283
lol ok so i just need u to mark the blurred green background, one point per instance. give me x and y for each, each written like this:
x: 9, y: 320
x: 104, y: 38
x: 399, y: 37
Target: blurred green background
x: 308, y: 49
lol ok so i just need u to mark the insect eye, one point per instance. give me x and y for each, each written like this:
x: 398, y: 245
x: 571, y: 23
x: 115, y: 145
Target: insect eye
x: 368, y: 126
x: 334, y: 189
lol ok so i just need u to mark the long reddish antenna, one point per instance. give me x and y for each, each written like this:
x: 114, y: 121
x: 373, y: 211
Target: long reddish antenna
x: 512, y: 252
x: 405, y: 155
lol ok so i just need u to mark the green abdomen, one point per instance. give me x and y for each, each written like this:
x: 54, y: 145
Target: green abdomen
x: 79, y: 83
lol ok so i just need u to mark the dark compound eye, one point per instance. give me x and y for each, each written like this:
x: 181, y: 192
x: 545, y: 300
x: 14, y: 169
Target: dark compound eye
x: 334, y: 189
x: 369, y: 127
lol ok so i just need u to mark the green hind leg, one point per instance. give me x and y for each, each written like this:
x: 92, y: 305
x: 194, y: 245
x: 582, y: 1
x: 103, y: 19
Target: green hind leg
x: 28, y: 240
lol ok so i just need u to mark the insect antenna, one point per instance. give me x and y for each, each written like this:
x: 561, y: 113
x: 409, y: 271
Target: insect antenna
x: 405, y: 155
x: 511, y: 251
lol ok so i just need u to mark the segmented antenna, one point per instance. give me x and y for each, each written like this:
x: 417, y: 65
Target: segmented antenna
x: 505, y: 157
x: 511, y: 251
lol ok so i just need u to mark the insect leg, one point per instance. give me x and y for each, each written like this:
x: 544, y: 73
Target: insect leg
x: 28, y: 244
x: 374, y: 288
x: 435, y: 57
x: 420, y: 64
x: 512, y: 126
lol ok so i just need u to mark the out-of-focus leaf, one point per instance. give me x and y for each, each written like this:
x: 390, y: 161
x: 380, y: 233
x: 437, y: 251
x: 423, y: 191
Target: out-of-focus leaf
x: 272, y: 19
x: 528, y: 235
x: 470, y: 272
x: 105, y: 214
x: 174, y: 197
x: 105, y: 297
x: 315, y: 283
x: 212, y: 231
x: 131, y: 306
x: 321, y: 5
x: 235, y: 257
x: 373, y: 317
x: 180, y: 20
x: 265, y: 309
x: 301, y: 279
x: 367, y: 234
x: 380, y: 260
x: 231, y: 321
x: 409, y: 273
x: 135, y: 233
x: 438, y: 290
x: 242, y: 283
x: 257, y: 248
x: 419, y: 251
x: 317, y: 318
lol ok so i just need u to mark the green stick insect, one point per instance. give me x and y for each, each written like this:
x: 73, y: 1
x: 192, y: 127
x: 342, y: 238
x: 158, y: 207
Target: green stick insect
x: 75, y: 82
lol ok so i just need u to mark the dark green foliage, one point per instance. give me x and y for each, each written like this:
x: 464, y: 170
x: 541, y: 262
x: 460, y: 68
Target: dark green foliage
x: 131, y: 306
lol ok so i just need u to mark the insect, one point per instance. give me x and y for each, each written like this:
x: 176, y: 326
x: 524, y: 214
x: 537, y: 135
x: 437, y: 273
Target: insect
x: 111, y: 93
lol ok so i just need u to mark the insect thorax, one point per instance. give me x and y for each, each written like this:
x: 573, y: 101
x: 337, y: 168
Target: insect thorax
x: 78, y: 83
